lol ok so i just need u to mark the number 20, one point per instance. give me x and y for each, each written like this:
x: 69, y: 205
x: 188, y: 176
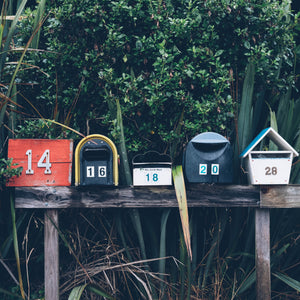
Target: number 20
x: 41, y: 164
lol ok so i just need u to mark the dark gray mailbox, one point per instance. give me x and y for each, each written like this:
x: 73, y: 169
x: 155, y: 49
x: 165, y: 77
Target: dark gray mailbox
x: 96, y: 161
x: 208, y: 158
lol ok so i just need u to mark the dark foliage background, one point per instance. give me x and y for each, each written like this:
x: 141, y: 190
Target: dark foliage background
x: 176, y: 68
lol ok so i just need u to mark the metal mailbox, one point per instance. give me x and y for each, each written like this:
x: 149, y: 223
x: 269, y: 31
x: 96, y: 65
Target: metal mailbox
x: 152, y: 168
x: 96, y: 161
x: 208, y: 158
x: 269, y: 167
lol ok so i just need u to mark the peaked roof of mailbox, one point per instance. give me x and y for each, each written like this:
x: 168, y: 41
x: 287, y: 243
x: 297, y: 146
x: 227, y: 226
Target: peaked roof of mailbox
x: 275, y: 137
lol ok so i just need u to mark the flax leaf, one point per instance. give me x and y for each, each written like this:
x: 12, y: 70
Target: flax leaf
x: 182, y: 204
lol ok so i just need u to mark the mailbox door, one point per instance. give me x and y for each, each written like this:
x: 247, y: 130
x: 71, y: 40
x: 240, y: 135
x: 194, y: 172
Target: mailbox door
x: 269, y: 169
x: 201, y: 165
x: 96, y: 163
x: 96, y: 173
x: 151, y: 175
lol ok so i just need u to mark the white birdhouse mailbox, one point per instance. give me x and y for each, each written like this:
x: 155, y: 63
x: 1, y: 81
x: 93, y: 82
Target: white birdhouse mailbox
x: 269, y: 167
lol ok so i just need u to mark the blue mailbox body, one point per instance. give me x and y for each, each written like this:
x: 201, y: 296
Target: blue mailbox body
x: 208, y: 158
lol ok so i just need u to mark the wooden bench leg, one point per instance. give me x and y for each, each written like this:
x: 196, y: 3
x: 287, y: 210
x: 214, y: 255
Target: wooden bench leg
x: 51, y: 253
x: 262, y: 254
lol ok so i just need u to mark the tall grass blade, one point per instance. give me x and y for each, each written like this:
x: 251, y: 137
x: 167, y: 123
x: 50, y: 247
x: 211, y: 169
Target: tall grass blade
x: 14, y: 296
x: 6, y: 245
x: 99, y: 292
x: 194, y: 233
x: 245, y: 115
x: 2, y: 25
x: 10, y: 34
x: 12, y: 81
x: 122, y: 147
x: 182, y: 268
x: 37, y: 19
x: 182, y: 204
x: 77, y: 292
x: 273, y: 123
x: 120, y: 228
x: 295, y: 284
x: 218, y: 235
x: 137, y: 224
x: 247, y: 283
x: 163, y: 244
x: 22, y: 57
x: 245, y: 118
x: 12, y: 114
x: 285, y: 114
x: 16, y: 246
x: 65, y: 126
x: 173, y: 146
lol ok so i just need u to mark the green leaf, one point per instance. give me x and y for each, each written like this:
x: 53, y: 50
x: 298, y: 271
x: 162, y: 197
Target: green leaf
x: 247, y: 45
x: 295, y: 284
x: 16, y: 246
x: 251, y: 279
x: 38, y: 18
x: 245, y: 117
x: 77, y: 292
x: 182, y: 204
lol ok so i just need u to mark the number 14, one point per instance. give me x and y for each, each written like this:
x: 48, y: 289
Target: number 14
x: 44, y: 162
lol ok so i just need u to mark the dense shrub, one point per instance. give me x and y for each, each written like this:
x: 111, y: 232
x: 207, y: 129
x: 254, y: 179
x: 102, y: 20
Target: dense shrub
x: 169, y: 63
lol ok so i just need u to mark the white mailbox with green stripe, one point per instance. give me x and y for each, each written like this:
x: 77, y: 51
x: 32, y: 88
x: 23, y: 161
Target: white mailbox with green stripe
x: 269, y: 167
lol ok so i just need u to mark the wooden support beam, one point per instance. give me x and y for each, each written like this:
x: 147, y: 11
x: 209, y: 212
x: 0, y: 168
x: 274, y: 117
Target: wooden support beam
x: 198, y: 195
x: 51, y: 252
x: 262, y: 254
x: 280, y: 196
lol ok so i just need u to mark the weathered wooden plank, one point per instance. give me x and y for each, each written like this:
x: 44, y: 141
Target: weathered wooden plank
x: 51, y: 251
x: 262, y: 254
x: 280, y: 196
x: 199, y: 195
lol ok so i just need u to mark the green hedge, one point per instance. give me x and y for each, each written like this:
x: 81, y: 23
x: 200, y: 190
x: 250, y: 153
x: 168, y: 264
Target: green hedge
x: 175, y: 66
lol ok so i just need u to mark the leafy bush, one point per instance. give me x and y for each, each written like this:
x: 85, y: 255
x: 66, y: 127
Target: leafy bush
x: 169, y: 64
x: 8, y: 170
x: 176, y: 68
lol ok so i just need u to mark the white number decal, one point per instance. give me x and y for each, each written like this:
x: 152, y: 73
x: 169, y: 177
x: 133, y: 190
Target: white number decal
x: 203, y: 169
x: 154, y: 177
x: 46, y: 164
x: 29, y: 162
x: 101, y: 171
x: 90, y: 171
x: 271, y: 171
x: 41, y: 164
x: 215, y: 169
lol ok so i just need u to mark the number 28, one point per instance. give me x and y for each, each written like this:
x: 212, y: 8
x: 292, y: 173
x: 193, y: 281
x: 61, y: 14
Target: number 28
x: 271, y: 171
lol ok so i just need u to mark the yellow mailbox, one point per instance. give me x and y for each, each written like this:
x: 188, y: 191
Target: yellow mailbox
x: 96, y: 161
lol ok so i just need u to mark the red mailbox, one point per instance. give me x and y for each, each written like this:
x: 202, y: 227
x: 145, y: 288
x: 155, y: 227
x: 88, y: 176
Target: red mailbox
x: 44, y: 162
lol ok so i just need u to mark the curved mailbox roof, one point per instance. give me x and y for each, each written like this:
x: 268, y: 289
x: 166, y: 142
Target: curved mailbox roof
x: 209, y: 138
